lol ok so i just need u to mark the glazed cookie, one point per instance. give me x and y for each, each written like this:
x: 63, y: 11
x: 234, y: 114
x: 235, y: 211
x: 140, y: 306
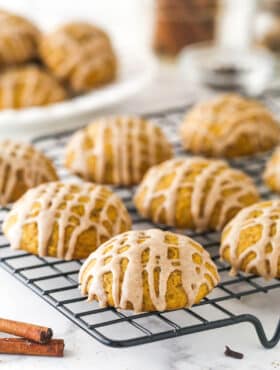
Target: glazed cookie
x: 22, y: 167
x: 117, y: 150
x: 28, y: 86
x: 147, y: 271
x: 64, y: 220
x: 195, y: 193
x: 18, y: 39
x: 81, y: 55
x: 272, y: 171
x: 250, y: 242
x: 229, y: 126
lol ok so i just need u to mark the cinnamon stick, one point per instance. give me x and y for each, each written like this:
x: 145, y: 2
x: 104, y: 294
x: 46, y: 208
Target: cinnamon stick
x: 39, y: 334
x: 19, y: 346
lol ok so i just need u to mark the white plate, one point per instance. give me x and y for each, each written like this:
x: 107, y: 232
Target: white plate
x: 134, y: 73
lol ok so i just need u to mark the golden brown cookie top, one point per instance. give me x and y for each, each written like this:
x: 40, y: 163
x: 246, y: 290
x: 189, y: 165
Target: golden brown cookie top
x: 81, y: 54
x: 272, y: 171
x: 250, y: 241
x: 18, y: 39
x: 117, y: 150
x: 203, y: 192
x: 81, y: 32
x: 28, y: 86
x: 21, y: 165
x: 229, y: 125
x: 65, y: 206
x: 147, y: 251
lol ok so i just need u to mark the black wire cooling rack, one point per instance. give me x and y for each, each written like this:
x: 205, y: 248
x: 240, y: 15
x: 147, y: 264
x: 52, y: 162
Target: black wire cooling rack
x: 56, y: 280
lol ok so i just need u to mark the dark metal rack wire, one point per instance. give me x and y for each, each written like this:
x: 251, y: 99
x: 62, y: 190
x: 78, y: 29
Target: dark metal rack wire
x: 56, y: 280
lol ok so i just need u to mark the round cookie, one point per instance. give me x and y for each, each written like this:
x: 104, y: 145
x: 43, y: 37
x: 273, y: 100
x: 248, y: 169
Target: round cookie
x: 18, y: 39
x: 81, y: 55
x: 22, y: 167
x: 250, y: 242
x: 196, y: 193
x: 65, y: 220
x: 29, y: 86
x: 271, y: 174
x: 229, y: 126
x: 117, y: 150
x: 147, y: 271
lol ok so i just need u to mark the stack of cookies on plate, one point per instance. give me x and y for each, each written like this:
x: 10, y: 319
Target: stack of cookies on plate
x: 38, y: 69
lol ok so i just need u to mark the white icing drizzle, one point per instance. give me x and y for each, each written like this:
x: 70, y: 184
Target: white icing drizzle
x: 18, y: 38
x: 36, y: 88
x: 232, y: 116
x: 21, y: 159
x: 86, y: 47
x: 272, y: 169
x: 50, y: 198
x: 126, y: 133
x: 224, y: 180
x: 270, y: 215
x: 130, y: 289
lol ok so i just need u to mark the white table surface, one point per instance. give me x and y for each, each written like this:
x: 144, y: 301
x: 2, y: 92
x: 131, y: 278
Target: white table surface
x: 202, y: 351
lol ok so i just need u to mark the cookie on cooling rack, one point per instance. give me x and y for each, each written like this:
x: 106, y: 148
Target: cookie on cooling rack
x: 80, y: 54
x: 250, y: 242
x: 65, y: 220
x: 22, y: 167
x: 271, y: 174
x: 29, y: 86
x: 117, y: 150
x: 196, y: 193
x: 229, y: 126
x: 148, y: 270
x: 18, y: 39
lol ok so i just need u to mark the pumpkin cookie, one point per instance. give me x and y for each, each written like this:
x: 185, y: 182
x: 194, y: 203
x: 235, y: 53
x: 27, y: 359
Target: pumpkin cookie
x: 147, y: 271
x: 18, y: 39
x: 229, y: 126
x: 196, y: 193
x: 250, y: 242
x: 29, y: 86
x: 81, y: 55
x: 116, y: 150
x: 272, y: 171
x: 64, y: 220
x: 22, y: 167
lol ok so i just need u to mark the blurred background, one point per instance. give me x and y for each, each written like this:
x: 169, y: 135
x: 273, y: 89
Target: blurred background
x: 197, y: 46
x: 132, y: 21
x: 166, y: 26
x: 127, y: 21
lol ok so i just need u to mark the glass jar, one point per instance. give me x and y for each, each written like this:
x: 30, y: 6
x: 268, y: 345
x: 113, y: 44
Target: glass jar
x: 179, y: 23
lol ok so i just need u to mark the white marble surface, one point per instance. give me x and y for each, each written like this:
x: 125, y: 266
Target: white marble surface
x: 202, y: 351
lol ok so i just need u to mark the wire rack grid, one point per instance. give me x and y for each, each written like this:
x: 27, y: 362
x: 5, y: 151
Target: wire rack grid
x: 56, y: 280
